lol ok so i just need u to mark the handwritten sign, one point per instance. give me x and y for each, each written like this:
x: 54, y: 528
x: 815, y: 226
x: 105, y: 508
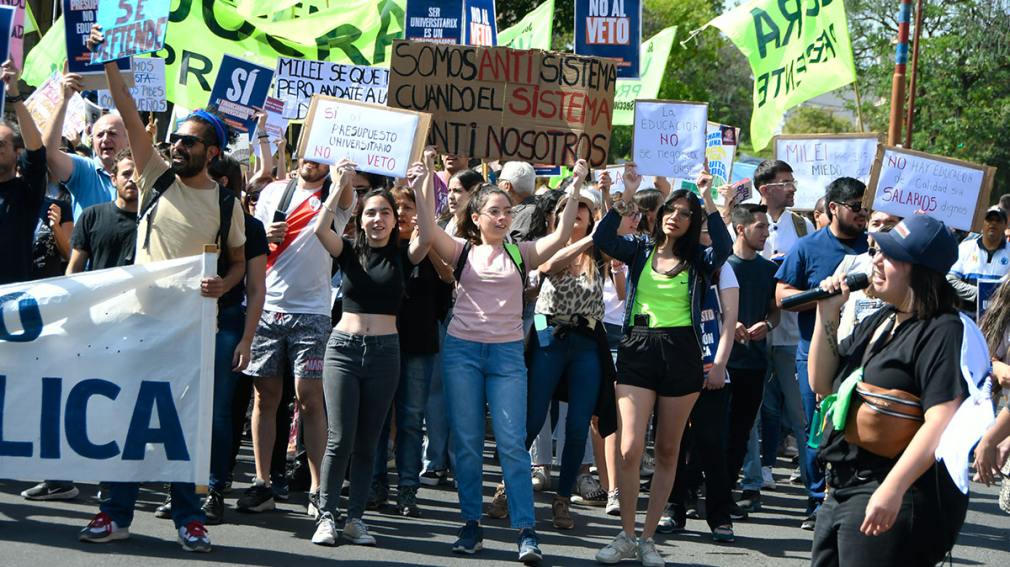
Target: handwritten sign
x: 953, y: 191
x: 610, y: 28
x: 15, y: 49
x: 819, y: 159
x: 378, y: 139
x: 275, y: 126
x: 148, y: 88
x: 299, y: 79
x: 239, y: 91
x: 507, y: 104
x: 131, y: 27
x: 720, y: 150
x: 669, y: 138
x: 78, y: 17
x: 479, y: 23
x: 42, y: 105
x: 437, y: 21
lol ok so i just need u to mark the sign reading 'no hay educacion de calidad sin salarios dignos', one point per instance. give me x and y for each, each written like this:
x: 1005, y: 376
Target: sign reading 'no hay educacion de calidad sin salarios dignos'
x: 507, y: 104
x: 907, y: 182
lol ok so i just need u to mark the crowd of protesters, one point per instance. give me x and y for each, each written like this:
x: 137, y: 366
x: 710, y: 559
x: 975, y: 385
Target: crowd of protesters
x: 571, y: 320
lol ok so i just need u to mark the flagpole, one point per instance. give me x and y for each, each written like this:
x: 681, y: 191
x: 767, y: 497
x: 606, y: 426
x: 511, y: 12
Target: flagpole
x: 910, y: 117
x: 898, y: 80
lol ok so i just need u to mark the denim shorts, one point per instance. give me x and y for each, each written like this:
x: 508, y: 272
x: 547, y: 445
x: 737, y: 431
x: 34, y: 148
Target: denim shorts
x: 297, y: 340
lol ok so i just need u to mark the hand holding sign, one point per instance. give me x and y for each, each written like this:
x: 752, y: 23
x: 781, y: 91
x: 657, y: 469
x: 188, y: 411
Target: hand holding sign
x: 134, y: 27
x: 670, y: 137
x: 631, y: 178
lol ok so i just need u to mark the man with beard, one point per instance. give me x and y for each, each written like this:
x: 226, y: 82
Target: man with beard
x: 89, y: 180
x: 812, y: 259
x: 292, y: 331
x: 182, y: 210
x: 105, y: 235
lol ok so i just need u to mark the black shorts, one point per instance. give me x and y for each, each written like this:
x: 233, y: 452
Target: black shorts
x: 666, y: 361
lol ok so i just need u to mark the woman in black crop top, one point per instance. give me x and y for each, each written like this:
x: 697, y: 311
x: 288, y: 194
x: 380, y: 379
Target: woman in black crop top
x: 362, y: 362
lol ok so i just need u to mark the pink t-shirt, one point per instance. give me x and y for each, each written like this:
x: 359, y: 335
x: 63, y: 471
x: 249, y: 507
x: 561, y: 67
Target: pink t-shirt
x: 489, y: 295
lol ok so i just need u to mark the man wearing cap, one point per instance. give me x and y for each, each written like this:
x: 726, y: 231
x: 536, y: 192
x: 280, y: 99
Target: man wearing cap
x: 985, y: 257
x: 178, y: 218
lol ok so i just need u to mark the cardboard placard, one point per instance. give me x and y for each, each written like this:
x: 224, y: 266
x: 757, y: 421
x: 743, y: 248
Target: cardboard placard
x: 239, y: 91
x: 148, y: 88
x: 507, y: 104
x: 669, y: 138
x: 904, y: 182
x: 378, y: 139
x: 297, y: 80
x: 437, y: 21
x: 131, y: 27
x: 610, y: 28
x: 276, y: 124
x: 819, y: 159
x: 78, y: 17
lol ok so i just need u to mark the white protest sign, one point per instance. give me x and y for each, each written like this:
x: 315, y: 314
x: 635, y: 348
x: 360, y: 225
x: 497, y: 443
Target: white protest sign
x: 378, y: 139
x: 148, y: 86
x: 905, y: 182
x: 720, y: 150
x: 276, y: 124
x: 42, y: 105
x: 669, y: 138
x: 108, y: 375
x: 819, y: 159
x: 298, y: 79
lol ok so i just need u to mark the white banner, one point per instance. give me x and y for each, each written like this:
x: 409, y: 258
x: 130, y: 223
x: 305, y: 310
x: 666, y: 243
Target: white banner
x: 819, y: 159
x: 108, y: 375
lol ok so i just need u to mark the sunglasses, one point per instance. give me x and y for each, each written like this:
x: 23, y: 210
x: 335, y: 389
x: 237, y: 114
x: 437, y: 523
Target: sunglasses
x: 856, y: 207
x: 188, y: 141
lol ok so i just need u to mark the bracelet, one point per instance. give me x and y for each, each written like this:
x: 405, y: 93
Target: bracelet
x: 263, y: 137
x: 770, y: 326
x: 15, y: 98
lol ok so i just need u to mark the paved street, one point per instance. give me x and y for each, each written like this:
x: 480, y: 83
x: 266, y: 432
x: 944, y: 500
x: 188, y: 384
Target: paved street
x: 44, y: 534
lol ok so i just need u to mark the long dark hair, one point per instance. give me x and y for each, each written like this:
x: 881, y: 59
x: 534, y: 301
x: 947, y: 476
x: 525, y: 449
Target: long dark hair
x: 361, y: 247
x: 932, y: 295
x: 685, y: 246
x: 647, y: 200
x: 996, y: 319
x: 469, y: 229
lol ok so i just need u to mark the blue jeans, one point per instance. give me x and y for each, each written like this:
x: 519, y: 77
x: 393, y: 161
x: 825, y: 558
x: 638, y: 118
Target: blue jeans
x: 475, y: 375
x: 752, y: 479
x: 230, y: 325
x: 814, y: 472
x: 782, y: 403
x: 574, y: 358
x: 436, y: 424
x: 410, y: 401
x: 123, y: 498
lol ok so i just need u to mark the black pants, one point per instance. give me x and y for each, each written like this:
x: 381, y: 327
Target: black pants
x: 703, y: 448
x: 926, y: 528
x: 748, y: 389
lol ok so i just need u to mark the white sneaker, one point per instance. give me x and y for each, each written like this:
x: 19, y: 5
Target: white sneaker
x: 621, y: 548
x: 356, y: 532
x: 613, y: 504
x: 767, y: 480
x: 796, y: 477
x: 648, y: 467
x: 541, y: 477
x: 326, y: 530
x: 650, y: 557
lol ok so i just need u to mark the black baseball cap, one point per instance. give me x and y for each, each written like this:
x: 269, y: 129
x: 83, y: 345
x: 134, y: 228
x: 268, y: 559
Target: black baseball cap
x: 922, y: 240
x: 996, y: 211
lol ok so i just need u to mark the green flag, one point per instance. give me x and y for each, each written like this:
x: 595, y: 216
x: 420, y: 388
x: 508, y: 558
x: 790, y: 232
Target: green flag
x: 797, y: 50
x: 533, y: 31
x: 655, y: 53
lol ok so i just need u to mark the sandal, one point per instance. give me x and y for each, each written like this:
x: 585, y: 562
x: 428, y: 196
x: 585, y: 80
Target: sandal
x: 723, y: 534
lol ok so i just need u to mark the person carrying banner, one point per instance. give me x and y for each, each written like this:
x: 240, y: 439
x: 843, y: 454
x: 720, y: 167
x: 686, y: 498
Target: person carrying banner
x: 182, y: 210
x: 891, y: 502
x: 105, y: 235
x: 669, y: 275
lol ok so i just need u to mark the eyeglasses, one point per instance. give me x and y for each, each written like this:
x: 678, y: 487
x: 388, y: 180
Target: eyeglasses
x: 684, y: 214
x: 783, y: 184
x: 856, y: 207
x: 872, y: 251
x: 497, y: 213
x: 188, y: 141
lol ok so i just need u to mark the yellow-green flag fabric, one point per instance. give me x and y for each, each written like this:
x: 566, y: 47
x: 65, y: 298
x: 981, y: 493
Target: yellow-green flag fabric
x: 30, y: 24
x: 359, y: 32
x: 655, y: 53
x: 797, y: 50
x: 533, y: 31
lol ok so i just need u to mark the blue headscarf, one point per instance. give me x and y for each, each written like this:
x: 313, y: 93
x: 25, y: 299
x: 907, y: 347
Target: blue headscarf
x: 220, y: 130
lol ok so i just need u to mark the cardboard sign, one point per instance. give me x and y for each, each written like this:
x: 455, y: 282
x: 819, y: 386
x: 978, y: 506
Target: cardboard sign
x: 239, y: 91
x: 508, y: 104
x: 15, y: 47
x: 78, y: 17
x: 299, y: 79
x: 131, y: 27
x: 42, y: 105
x: 378, y: 139
x: 904, y: 182
x: 819, y: 159
x: 437, y: 21
x: 479, y: 23
x: 669, y: 138
x: 276, y: 124
x: 610, y: 28
x: 148, y: 88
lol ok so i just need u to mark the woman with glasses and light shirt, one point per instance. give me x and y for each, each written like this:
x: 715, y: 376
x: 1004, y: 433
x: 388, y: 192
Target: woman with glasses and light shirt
x: 482, y: 357
x: 659, y: 360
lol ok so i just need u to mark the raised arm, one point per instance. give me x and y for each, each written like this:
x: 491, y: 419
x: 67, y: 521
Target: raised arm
x: 545, y: 247
x: 136, y: 131
x: 438, y: 238
x: 564, y: 257
x: 329, y: 235
x: 419, y: 178
x: 60, y: 164
x: 265, y: 162
x: 29, y: 131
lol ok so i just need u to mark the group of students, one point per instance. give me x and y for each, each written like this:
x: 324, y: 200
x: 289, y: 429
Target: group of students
x: 460, y: 300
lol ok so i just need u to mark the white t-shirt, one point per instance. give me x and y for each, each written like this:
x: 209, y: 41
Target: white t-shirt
x: 727, y: 280
x: 613, y: 308
x: 298, y: 269
x: 781, y: 238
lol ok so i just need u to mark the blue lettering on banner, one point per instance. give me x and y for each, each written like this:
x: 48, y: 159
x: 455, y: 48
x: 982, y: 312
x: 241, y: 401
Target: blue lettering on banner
x: 10, y: 448
x: 28, y: 313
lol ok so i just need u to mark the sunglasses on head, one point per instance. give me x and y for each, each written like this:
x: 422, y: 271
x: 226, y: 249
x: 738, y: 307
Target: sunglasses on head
x: 187, y: 140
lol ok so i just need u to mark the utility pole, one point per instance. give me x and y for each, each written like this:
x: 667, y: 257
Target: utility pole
x: 910, y: 117
x: 898, y: 80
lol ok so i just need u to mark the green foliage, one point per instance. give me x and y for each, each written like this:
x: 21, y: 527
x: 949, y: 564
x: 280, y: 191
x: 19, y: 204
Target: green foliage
x: 814, y: 120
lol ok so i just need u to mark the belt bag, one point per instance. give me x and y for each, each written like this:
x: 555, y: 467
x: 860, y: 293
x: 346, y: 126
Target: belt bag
x: 883, y: 421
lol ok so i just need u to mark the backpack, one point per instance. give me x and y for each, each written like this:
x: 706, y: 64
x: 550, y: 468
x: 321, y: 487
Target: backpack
x: 799, y: 224
x: 513, y: 252
x: 226, y: 205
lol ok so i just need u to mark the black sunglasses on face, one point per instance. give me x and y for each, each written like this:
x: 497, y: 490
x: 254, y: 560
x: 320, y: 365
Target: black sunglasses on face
x: 856, y: 207
x: 187, y: 140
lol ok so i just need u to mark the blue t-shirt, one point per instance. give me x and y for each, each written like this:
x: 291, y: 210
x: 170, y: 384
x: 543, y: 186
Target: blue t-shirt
x: 89, y: 184
x: 812, y: 259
